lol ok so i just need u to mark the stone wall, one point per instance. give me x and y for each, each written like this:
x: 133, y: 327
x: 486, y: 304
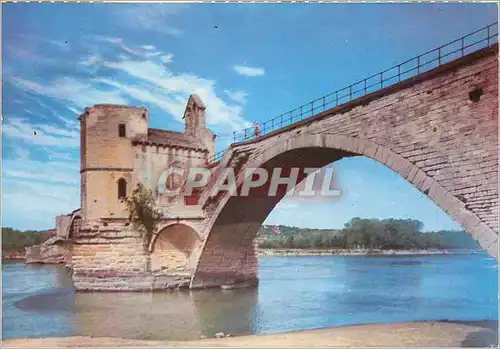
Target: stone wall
x: 53, y: 251
x: 150, y: 161
x: 62, y: 226
x: 111, y: 251
x: 106, y: 203
x: 113, y: 256
x: 432, y: 130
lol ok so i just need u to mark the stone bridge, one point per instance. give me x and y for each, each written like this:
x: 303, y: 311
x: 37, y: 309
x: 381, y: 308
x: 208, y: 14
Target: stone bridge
x: 438, y: 130
x: 435, y: 125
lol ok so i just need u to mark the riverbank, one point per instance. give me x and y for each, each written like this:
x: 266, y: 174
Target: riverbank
x: 415, y: 334
x: 21, y: 256
x: 13, y: 256
x: 348, y: 252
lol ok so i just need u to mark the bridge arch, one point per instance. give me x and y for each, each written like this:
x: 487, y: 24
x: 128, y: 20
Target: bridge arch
x: 228, y: 255
x: 173, y: 248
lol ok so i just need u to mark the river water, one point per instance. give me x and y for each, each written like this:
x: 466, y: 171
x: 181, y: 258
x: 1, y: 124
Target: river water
x: 294, y: 293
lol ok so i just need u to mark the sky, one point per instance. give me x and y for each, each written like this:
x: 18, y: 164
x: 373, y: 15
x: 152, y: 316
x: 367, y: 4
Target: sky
x: 247, y: 62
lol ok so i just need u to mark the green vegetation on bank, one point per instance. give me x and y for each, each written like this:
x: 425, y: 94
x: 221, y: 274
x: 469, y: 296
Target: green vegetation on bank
x: 14, y: 240
x: 396, y: 234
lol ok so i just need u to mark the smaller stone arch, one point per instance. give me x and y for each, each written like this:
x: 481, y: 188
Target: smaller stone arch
x: 173, y: 249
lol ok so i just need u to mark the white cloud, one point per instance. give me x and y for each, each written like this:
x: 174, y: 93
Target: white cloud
x: 34, y: 191
x: 55, y: 155
x: 143, y: 51
x: 46, y: 135
x: 75, y: 111
x: 26, y: 202
x: 71, y: 90
x: 50, y: 172
x: 24, y: 46
x: 167, y: 58
x: 148, y: 95
x: 249, y: 71
x: 21, y: 52
x: 237, y: 96
x: 43, y: 111
x: 152, y: 83
x: 170, y: 92
x: 22, y: 153
x: 145, y: 70
x: 28, y: 111
x: 90, y: 60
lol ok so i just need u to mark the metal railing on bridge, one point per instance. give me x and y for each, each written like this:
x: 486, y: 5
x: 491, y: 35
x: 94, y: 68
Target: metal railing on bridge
x: 455, y: 49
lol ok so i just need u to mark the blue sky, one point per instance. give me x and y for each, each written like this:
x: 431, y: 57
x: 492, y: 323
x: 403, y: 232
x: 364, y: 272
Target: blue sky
x: 262, y: 60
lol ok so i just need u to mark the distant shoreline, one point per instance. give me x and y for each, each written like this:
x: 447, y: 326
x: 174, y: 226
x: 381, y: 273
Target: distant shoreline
x: 349, y: 252
x: 13, y: 256
x: 19, y: 256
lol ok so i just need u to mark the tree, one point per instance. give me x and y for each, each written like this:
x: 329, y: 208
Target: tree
x: 289, y: 241
x: 14, y: 240
x: 369, y: 233
x: 142, y: 212
x: 318, y: 243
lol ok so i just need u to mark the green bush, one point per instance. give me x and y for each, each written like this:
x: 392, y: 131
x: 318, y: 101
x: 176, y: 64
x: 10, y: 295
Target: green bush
x: 142, y: 212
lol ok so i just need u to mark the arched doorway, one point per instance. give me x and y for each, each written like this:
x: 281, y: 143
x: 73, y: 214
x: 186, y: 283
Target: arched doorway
x: 172, y: 249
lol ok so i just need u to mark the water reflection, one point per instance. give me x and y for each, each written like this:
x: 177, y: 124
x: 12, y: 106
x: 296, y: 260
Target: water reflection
x: 37, y: 301
x: 179, y: 315
x: 294, y: 293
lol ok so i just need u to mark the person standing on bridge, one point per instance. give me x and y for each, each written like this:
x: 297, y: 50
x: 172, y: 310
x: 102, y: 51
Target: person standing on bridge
x: 256, y: 131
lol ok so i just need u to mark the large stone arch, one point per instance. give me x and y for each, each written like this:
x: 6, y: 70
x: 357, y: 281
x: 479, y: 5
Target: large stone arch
x: 173, y: 249
x: 228, y: 255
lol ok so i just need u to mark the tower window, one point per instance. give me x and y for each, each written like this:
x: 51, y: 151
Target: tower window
x: 121, y: 131
x: 122, y: 188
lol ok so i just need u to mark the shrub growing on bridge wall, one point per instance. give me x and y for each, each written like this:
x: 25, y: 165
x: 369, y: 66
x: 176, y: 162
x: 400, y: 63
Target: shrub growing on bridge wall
x: 142, y: 212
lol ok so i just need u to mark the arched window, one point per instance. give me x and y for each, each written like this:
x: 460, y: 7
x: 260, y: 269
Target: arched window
x: 122, y: 188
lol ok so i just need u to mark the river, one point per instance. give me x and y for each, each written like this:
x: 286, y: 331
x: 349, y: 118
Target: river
x: 294, y: 293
